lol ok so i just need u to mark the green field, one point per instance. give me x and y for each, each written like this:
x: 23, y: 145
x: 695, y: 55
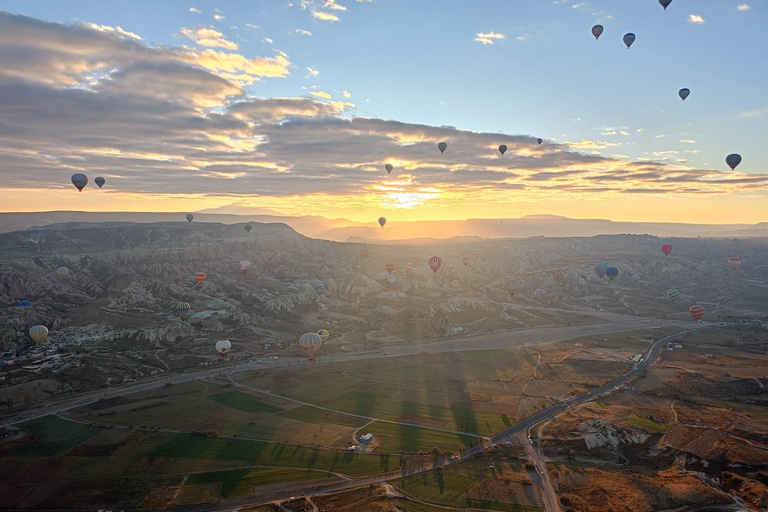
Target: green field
x: 649, y: 425
x: 53, y: 436
x: 239, y: 482
x: 258, y: 453
x: 405, y: 438
x: 308, y: 414
x: 243, y: 402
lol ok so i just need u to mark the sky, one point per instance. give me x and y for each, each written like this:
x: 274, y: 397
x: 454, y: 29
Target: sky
x: 296, y: 106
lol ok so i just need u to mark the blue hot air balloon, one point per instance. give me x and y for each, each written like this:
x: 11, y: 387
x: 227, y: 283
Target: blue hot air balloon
x: 100, y: 181
x: 319, y: 288
x: 611, y: 272
x: 600, y: 268
x: 25, y: 304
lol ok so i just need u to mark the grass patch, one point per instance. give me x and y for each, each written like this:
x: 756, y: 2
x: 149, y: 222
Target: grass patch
x: 258, y: 453
x: 53, y: 436
x: 239, y: 482
x: 648, y: 424
x: 441, y: 487
x: 309, y: 414
x: 243, y: 402
x: 405, y: 438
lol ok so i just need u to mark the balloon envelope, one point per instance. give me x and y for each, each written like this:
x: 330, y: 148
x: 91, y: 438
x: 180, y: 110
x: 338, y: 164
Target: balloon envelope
x: 442, y: 147
x: 684, y: 93
x: 435, y: 262
x: 733, y: 160
x: 247, y: 228
x: 597, y: 31
x: 559, y: 276
x: 600, y: 268
x: 310, y: 343
x: 465, y: 261
x: 223, y: 347
x: 502, y: 149
x: 382, y: 221
x: 512, y: 285
x: 100, y: 181
x: 697, y: 312
x: 409, y: 266
x: 539, y: 140
x: 673, y: 293
x: 79, y: 181
x: 391, y: 279
x: 245, y: 266
x: 389, y: 168
x: 200, y: 277
x: 665, y: 3
x: 364, y: 253
x: 389, y: 267
x: 629, y: 39
x: 62, y: 271
x: 635, y: 277
x: 539, y: 293
x: 190, y: 217
x: 38, y: 333
x: 183, y: 307
x: 735, y: 263
x: 25, y: 304
x: 320, y: 288
x: 611, y: 272
x: 324, y: 335
x: 666, y: 249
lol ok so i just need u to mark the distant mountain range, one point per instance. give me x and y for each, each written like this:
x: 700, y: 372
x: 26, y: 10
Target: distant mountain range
x: 343, y: 230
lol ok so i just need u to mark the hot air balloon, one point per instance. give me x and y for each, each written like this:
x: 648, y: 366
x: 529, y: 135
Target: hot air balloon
x: 629, y: 39
x: 673, y: 293
x: 62, y: 271
x: 697, y: 312
x: 409, y: 266
x: 247, y: 228
x: 389, y: 267
x: 200, y: 277
x: 465, y: 261
x: 733, y: 160
x: 635, y: 277
x: 382, y: 221
x: 389, y: 168
x: 364, y: 253
x: 190, y: 217
x: 539, y: 293
x: 435, y: 262
x: 245, y: 266
x: 100, y: 181
x: 684, y: 93
x: 512, y: 285
x: 502, y: 149
x: 597, y: 31
x: 455, y: 283
x: 559, y: 276
x: 391, y: 279
x: 310, y: 343
x: 38, y: 333
x: 319, y: 288
x: 79, y: 181
x: 25, y: 304
x: 611, y: 272
x: 735, y: 263
x: 324, y: 334
x: 665, y: 3
x: 600, y: 268
x: 666, y: 249
x: 539, y: 141
x: 442, y: 147
x: 183, y: 308
x: 223, y: 347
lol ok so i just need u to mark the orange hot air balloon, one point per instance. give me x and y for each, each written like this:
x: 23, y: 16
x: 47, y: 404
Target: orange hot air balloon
x: 666, y: 249
x: 389, y: 267
x: 364, y: 253
x: 200, y: 277
x: 735, y: 263
x: 559, y: 276
x: 697, y: 312
x: 435, y: 262
x: 409, y: 266
x: 465, y: 261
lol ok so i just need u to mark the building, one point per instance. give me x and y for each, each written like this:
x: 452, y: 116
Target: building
x: 367, y: 437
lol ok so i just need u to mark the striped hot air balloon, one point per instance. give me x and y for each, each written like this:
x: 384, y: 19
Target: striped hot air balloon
x: 559, y: 276
x: 62, y: 271
x: 512, y: 285
x: 409, y: 266
x: 183, y: 308
x: 735, y: 263
x: 389, y: 267
x: 364, y: 253
x: 324, y: 335
x: 539, y: 293
x: 310, y: 343
x: 697, y: 312
x: 435, y: 262
x: 38, y: 333
x: 200, y: 277
x: 673, y: 293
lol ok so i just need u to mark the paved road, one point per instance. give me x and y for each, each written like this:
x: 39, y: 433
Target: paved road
x: 506, y: 339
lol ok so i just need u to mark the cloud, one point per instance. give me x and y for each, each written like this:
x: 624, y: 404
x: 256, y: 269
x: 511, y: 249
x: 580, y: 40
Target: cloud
x: 303, y: 32
x: 688, y: 141
x: 219, y: 17
x: 743, y: 7
x: 209, y: 37
x: 171, y: 122
x: 751, y: 114
x: 324, y: 16
x: 312, y: 72
x: 268, y: 40
x: 321, y: 94
x: 577, y: 6
x: 695, y: 18
x: 113, y: 30
x: 346, y: 94
x: 331, y: 4
x: 192, y: 9
x: 488, y: 38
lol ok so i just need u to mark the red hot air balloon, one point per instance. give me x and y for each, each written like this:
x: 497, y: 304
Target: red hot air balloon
x: 666, y: 249
x: 200, y: 277
x: 559, y: 276
x: 465, y: 261
x: 735, y: 263
x: 389, y: 267
x: 697, y: 312
x: 435, y: 262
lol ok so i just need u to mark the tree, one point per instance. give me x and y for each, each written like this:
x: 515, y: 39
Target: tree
x: 10, y: 401
x: 27, y: 399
